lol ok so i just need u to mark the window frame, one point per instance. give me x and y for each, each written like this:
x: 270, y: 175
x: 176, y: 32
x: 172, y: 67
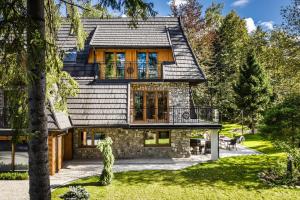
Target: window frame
x: 156, y: 132
x: 144, y: 106
x: 80, y: 140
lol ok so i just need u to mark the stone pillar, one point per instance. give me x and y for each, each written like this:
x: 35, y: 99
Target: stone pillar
x: 214, y: 135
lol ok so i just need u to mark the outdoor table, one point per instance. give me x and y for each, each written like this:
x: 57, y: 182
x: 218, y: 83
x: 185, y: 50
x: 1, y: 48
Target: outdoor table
x: 225, y: 140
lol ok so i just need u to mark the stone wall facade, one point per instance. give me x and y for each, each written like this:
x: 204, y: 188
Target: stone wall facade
x: 129, y: 143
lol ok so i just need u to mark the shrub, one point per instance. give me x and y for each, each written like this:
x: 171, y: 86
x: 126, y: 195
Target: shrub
x: 278, y: 176
x: 13, y: 176
x: 108, y: 160
x: 76, y: 193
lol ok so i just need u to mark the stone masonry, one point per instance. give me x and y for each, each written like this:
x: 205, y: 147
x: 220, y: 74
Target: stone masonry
x: 129, y: 143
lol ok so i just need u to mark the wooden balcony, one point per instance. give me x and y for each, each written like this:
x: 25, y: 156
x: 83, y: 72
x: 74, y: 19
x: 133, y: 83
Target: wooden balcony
x: 128, y: 71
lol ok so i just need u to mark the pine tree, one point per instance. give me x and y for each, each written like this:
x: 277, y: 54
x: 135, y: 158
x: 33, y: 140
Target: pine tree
x: 252, y: 90
x: 229, y: 54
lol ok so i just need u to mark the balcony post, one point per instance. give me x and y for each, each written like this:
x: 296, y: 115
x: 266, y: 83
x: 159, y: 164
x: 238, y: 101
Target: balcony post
x: 214, y: 135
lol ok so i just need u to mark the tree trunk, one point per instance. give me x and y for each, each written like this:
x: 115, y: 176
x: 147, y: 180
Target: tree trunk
x: 39, y: 184
x: 289, y: 168
x: 252, y: 125
x: 13, y: 155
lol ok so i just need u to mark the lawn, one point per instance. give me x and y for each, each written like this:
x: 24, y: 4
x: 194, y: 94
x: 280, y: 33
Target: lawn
x: 229, y: 178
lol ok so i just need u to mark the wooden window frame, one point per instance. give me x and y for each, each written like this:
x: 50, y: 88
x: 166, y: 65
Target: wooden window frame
x: 147, y: 51
x: 114, y: 52
x: 156, y: 132
x: 92, y: 131
x: 145, y: 120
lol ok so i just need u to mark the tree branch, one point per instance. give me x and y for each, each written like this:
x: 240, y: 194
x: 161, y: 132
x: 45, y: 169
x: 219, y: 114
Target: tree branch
x: 76, y: 5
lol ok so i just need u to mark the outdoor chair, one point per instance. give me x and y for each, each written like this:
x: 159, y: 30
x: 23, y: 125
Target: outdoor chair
x: 232, y: 143
x: 240, y: 139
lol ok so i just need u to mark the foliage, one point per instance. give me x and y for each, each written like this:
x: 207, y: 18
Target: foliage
x: 252, y: 91
x: 281, y: 123
x: 13, y: 176
x: 95, y: 11
x: 291, y: 16
x: 277, y: 175
x: 228, y: 178
x: 108, y: 160
x: 230, y: 51
x: 76, y: 192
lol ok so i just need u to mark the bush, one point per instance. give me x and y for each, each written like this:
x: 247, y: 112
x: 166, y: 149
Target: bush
x: 278, y: 176
x: 13, y: 176
x: 108, y: 161
x: 76, y: 193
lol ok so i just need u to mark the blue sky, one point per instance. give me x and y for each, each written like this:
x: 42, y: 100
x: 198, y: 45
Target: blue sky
x: 256, y: 12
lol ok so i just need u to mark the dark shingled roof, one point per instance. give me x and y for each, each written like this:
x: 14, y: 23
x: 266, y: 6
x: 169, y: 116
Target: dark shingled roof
x: 99, y: 105
x: 57, y: 121
x: 122, y: 35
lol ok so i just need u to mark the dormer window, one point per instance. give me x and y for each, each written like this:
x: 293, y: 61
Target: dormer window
x: 70, y: 56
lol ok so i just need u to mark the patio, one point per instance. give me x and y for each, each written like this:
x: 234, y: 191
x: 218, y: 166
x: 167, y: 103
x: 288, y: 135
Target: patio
x: 75, y: 169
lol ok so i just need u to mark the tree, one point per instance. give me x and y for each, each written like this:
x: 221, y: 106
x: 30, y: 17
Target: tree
x: 252, y: 90
x: 281, y: 123
x: 41, y: 57
x: 108, y: 161
x: 229, y: 54
x: 291, y: 17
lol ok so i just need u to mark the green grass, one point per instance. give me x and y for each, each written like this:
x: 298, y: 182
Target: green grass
x: 231, y: 130
x: 13, y: 175
x: 228, y: 178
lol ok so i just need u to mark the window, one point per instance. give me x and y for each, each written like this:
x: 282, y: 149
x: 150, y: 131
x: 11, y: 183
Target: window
x: 70, y: 56
x: 150, y: 106
x: 90, y: 139
x: 114, y: 65
x: 157, y: 138
x: 147, y: 65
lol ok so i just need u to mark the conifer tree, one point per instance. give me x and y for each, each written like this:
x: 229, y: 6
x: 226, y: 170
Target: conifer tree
x: 252, y: 91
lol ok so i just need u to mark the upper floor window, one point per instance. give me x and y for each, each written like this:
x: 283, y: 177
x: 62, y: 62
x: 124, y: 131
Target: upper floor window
x: 147, y: 65
x: 114, y: 65
x: 70, y: 56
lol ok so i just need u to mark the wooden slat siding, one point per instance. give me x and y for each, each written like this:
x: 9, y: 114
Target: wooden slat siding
x: 51, y: 154
x: 68, y: 146
x: 59, y: 153
x: 5, y: 138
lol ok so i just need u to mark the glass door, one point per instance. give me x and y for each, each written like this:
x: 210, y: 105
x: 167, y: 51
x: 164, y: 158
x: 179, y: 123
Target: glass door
x: 120, y: 64
x: 138, y: 106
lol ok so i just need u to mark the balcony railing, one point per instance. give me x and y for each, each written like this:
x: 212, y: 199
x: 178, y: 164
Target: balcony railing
x: 128, y: 70
x: 174, y: 115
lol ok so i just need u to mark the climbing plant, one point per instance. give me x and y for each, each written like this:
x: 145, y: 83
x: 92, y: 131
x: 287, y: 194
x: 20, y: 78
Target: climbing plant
x: 108, y: 160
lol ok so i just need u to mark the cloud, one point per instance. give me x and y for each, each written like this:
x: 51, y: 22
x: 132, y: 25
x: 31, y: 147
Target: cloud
x: 240, y: 3
x: 250, y: 25
x: 123, y: 15
x: 178, y: 2
x: 268, y: 25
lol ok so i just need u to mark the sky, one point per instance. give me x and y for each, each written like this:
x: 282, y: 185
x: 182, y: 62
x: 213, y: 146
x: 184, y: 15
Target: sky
x: 265, y: 13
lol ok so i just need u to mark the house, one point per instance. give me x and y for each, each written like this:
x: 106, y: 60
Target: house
x: 135, y: 87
